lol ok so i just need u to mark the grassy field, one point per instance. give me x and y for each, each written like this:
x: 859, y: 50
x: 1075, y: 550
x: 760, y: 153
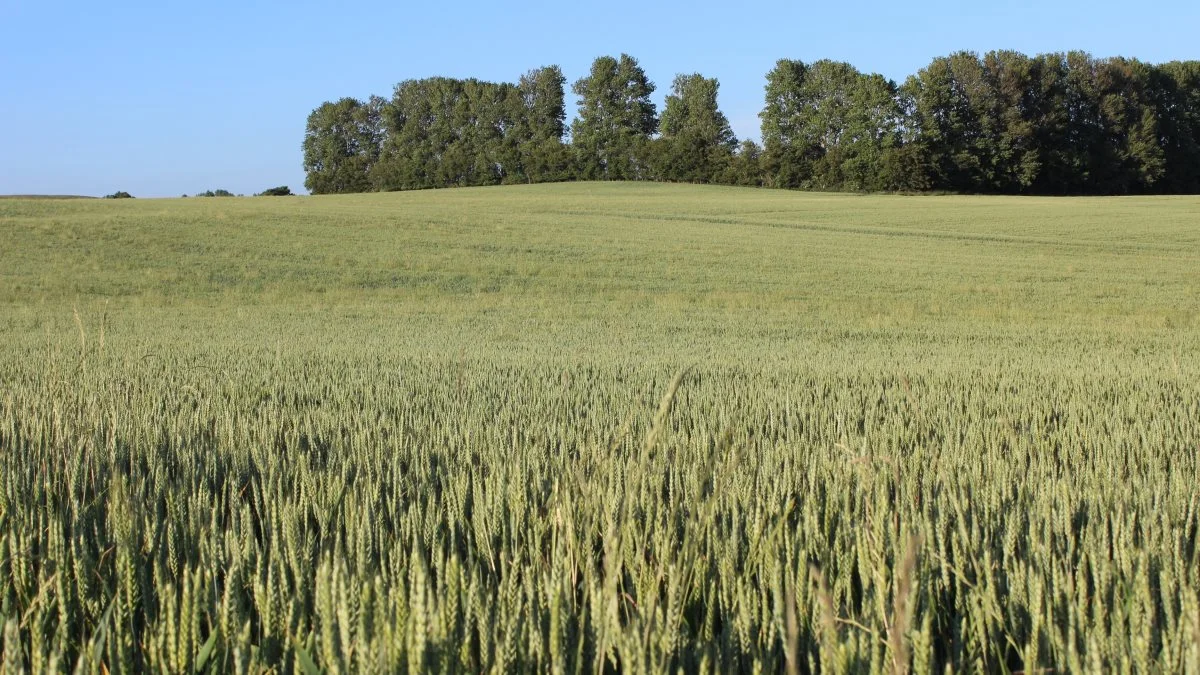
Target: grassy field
x: 588, y: 427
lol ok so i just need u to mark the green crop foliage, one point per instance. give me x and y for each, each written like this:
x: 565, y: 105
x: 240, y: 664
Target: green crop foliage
x: 600, y: 427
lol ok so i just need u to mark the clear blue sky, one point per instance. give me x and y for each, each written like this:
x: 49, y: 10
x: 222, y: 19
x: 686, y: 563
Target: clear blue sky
x: 163, y: 98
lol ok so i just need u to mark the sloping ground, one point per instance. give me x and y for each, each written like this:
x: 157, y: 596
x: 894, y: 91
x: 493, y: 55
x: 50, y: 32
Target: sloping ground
x: 919, y: 261
x: 562, y: 426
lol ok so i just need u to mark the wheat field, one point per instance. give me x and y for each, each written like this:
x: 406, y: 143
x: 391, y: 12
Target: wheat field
x: 600, y: 428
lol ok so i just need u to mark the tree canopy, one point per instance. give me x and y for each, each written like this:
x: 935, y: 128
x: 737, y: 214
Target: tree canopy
x: 699, y: 142
x: 1002, y: 123
x: 616, y: 120
x: 341, y: 145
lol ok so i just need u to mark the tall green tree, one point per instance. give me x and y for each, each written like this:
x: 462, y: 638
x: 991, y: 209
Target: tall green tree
x: 408, y: 155
x: 699, y: 143
x: 616, y: 119
x: 1068, y: 133
x: 1100, y: 133
x: 852, y: 121
x: 447, y: 132
x: 787, y: 153
x: 342, y: 142
x: 1063, y: 123
x: 541, y: 124
x: 829, y: 126
x: 1177, y: 98
x: 1015, y: 107
x: 484, y: 117
x: 1135, y: 158
x: 947, y: 96
x: 418, y: 136
x: 980, y: 119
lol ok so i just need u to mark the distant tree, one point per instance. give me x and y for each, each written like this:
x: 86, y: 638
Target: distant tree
x: 410, y: 150
x: 1105, y: 128
x: 828, y: 126
x: 1064, y: 123
x: 540, y: 125
x: 851, y: 120
x: 610, y: 136
x: 342, y: 142
x: 1176, y: 88
x: 483, y: 121
x: 443, y: 132
x: 746, y: 165
x: 281, y: 191
x: 699, y: 141
x: 948, y: 101
x: 119, y: 195
x: 1132, y: 137
x: 787, y: 156
x: 1014, y: 106
x: 992, y: 124
x: 1069, y: 127
x: 904, y: 168
x: 215, y: 193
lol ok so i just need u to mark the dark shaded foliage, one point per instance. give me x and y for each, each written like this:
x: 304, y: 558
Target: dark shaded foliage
x: 1001, y: 123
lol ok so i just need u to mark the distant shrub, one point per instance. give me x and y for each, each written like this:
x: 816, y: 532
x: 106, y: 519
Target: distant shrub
x: 119, y: 195
x: 281, y: 191
x: 215, y: 193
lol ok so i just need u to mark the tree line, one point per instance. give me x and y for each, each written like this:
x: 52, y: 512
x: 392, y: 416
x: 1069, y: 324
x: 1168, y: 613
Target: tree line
x: 1003, y: 123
